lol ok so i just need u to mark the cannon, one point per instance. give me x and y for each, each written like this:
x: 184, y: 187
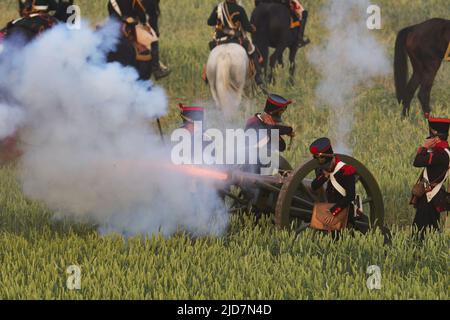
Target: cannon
x: 289, y: 196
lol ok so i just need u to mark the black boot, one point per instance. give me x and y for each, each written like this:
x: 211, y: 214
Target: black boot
x: 301, y: 34
x: 158, y: 69
x: 258, y: 79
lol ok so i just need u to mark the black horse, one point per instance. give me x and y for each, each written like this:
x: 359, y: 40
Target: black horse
x: 426, y: 45
x: 273, y: 30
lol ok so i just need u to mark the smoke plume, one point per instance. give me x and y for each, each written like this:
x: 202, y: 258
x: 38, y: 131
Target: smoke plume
x: 89, y: 150
x: 350, y: 56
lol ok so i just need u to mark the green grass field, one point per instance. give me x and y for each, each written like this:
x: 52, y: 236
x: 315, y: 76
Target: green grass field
x: 249, y: 262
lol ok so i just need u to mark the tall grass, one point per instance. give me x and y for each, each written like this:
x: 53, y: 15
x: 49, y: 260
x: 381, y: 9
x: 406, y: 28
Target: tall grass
x: 249, y: 262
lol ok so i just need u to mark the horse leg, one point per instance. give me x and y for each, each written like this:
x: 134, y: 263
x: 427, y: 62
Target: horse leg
x: 411, y: 89
x: 292, y: 54
x: 415, y: 80
x: 427, y: 85
x: 273, y: 60
x: 265, y: 55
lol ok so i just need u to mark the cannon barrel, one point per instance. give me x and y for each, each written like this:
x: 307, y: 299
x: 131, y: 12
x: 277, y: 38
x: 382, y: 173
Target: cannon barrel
x: 241, y: 178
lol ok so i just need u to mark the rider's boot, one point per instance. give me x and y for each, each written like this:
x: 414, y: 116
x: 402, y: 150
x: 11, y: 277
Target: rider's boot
x: 158, y: 69
x: 301, y: 34
x: 255, y: 59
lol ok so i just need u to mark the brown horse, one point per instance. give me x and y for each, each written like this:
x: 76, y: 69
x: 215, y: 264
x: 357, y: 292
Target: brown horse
x: 426, y: 45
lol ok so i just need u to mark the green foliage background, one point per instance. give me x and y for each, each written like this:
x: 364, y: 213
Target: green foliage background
x: 249, y: 262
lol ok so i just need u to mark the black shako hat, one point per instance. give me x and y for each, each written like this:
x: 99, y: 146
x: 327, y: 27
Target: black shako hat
x: 439, y: 127
x: 191, y: 114
x: 276, y: 103
x: 322, y: 150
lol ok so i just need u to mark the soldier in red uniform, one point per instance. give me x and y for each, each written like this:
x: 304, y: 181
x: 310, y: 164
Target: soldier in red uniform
x: 434, y: 157
x: 271, y: 119
x: 189, y: 115
x: 339, y: 176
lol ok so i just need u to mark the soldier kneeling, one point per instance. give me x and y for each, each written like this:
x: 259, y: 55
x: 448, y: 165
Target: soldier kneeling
x: 340, y: 189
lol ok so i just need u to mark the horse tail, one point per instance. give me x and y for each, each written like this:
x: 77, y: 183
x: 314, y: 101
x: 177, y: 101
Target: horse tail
x: 401, y: 64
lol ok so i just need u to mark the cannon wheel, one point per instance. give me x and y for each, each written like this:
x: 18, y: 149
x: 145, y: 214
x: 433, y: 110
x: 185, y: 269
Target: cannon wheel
x: 296, y: 200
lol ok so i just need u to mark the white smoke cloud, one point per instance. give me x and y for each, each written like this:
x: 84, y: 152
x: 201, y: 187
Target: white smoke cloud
x: 10, y: 118
x: 350, y: 56
x: 89, y: 151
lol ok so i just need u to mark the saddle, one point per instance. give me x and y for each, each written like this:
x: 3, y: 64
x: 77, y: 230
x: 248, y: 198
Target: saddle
x: 141, y: 36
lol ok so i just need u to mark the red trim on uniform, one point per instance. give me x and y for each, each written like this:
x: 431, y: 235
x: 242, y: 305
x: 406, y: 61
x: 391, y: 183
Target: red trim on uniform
x: 442, y: 145
x: 281, y: 105
x: 336, y: 212
x: 192, y: 109
x: 430, y: 159
x: 187, y: 108
x: 252, y: 120
x: 348, y: 170
x: 439, y: 120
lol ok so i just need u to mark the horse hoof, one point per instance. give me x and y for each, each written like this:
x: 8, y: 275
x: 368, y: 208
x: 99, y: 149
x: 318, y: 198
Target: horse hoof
x: 304, y: 43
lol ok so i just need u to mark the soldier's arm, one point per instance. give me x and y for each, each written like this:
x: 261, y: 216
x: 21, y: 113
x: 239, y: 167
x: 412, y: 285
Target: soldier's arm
x: 245, y: 23
x: 348, y: 183
x: 319, y: 181
x: 283, y: 130
x: 425, y: 158
x: 212, y: 21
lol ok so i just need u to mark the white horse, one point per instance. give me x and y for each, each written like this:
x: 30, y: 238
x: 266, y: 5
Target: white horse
x: 227, y: 71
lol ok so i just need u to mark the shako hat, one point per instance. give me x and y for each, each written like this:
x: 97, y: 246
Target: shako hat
x: 322, y: 150
x: 276, y: 103
x: 439, y: 127
x: 191, y: 114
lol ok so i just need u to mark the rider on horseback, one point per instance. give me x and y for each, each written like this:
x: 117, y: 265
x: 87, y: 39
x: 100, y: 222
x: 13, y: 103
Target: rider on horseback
x: 142, y: 12
x: 299, y: 17
x: 231, y: 22
x: 34, y: 16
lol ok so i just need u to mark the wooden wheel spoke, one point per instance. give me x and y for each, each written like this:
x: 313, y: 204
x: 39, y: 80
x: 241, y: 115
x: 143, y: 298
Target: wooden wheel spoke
x: 305, y: 190
x: 303, y: 201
